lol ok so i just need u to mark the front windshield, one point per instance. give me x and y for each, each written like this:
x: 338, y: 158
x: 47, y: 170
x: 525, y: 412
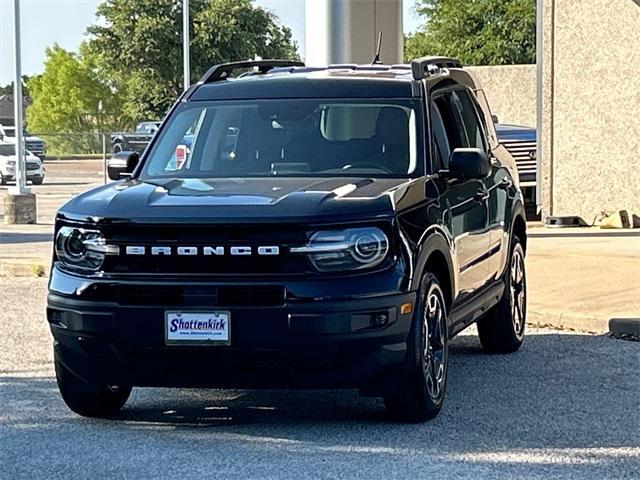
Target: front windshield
x: 258, y: 138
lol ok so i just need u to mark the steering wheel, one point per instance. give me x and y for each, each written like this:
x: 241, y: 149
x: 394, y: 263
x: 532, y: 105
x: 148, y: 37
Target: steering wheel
x: 366, y: 165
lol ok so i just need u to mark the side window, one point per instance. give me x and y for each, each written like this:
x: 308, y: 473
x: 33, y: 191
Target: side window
x: 473, y: 133
x: 446, y: 126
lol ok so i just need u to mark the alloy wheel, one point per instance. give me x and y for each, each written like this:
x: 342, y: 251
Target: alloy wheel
x: 434, y: 334
x: 518, y: 293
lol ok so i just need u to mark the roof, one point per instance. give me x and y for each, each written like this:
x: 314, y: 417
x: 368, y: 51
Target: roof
x: 7, y: 107
x: 272, y: 79
x: 308, y: 83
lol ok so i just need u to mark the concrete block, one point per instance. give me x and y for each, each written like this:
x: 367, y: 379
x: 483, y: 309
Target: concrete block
x: 20, y: 209
x: 625, y: 328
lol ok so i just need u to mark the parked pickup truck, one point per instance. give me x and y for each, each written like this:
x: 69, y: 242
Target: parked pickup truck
x: 136, y: 141
x: 34, y: 144
x: 520, y: 141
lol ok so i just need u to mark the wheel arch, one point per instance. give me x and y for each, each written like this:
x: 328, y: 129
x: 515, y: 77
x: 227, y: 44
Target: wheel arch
x: 435, y: 257
x: 519, y: 225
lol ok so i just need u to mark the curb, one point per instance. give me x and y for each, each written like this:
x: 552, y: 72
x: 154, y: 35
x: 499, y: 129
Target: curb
x: 564, y: 321
x: 625, y: 328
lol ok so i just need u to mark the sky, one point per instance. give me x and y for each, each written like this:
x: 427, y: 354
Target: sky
x: 45, y: 22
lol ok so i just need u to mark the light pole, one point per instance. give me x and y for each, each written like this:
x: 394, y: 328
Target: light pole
x: 103, y: 138
x: 185, y: 44
x: 21, y: 183
x: 20, y: 203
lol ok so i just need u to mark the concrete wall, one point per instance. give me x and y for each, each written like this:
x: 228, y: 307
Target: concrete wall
x: 591, y: 107
x: 511, y: 92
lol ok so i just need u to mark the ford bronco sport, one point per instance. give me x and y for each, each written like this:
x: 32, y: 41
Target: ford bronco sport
x: 323, y: 228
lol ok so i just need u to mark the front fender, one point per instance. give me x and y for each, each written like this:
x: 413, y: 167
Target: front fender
x: 434, y: 242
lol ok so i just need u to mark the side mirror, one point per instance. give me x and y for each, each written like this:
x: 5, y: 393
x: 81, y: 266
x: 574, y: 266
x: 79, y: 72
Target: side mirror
x: 469, y: 164
x: 122, y: 164
x: 495, y: 119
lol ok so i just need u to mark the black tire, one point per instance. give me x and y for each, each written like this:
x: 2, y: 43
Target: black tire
x: 37, y: 180
x: 3, y: 180
x: 502, y: 329
x: 419, y: 393
x: 88, y: 400
x: 117, y: 147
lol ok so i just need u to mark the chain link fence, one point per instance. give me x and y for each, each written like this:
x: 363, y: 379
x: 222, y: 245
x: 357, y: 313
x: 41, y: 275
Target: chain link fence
x: 70, y: 145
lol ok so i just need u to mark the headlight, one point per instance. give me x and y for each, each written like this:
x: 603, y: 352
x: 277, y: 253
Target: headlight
x: 82, y: 249
x: 350, y: 249
x: 11, y: 163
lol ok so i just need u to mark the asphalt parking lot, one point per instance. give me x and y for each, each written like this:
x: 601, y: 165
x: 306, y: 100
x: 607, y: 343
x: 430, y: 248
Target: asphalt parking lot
x: 565, y: 406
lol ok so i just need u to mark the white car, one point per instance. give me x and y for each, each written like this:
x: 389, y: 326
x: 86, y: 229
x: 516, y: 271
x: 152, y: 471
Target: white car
x: 34, y: 144
x: 35, y: 169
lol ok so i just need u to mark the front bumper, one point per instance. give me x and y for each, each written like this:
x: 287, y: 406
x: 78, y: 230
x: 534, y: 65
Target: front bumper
x: 31, y: 174
x: 321, y: 343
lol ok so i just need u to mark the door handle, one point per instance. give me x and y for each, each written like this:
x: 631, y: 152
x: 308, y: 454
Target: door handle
x: 481, y: 195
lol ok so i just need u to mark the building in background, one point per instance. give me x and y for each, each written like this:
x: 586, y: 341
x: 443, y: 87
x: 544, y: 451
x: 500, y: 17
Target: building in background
x: 590, y: 142
x: 589, y: 113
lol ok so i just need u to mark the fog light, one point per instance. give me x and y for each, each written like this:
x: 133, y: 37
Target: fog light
x: 380, y: 319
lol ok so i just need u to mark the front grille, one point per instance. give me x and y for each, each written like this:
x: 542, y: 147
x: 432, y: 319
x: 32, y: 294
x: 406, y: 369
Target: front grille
x: 521, y: 152
x: 200, y: 236
x: 36, y: 148
x: 201, y: 295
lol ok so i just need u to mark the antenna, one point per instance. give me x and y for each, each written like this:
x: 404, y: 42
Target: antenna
x: 376, y: 59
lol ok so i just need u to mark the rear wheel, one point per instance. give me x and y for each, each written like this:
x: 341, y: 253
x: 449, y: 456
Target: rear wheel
x: 502, y: 329
x: 117, y: 147
x: 89, y: 400
x: 37, y: 180
x: 423, y: 377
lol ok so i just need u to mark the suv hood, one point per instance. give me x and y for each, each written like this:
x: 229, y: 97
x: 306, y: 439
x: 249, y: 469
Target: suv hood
x: 235, y: 200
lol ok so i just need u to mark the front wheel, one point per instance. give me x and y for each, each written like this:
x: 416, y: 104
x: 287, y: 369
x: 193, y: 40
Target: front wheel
x: 89, y: 400
x: 419, y: 394
x: 3, y: 180
x: 502, y: 329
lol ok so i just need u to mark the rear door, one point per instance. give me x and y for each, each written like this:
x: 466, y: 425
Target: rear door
x: 467, y: 200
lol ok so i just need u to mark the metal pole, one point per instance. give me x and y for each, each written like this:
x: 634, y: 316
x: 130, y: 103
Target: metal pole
x: 104, y: 142
x: 21, y: 183
x: 539, y: 100
x: 185, y: 44
x: 104, y: 157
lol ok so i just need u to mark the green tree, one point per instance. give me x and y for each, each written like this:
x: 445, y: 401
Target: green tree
x: 478, y: 32
x: 138, y: 45
x: 65, y: 100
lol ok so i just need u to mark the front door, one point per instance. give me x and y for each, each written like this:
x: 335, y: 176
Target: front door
x: 467, y: 201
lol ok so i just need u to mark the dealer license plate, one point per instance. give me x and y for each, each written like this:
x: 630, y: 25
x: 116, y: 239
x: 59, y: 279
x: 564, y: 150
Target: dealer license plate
x: 197, y: 328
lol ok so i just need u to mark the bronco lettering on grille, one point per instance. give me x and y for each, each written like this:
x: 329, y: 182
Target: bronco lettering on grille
x: 207, y: 251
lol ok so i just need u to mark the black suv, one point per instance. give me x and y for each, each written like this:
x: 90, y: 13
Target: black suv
x: 319, y: 228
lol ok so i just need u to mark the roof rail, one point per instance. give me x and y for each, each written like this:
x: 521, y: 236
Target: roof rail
x: 223, y: 70
x: 420, y: 67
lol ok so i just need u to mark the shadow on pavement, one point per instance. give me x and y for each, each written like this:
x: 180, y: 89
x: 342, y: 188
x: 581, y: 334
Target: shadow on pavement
x: 18, y: 237
x: 564, y: 404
